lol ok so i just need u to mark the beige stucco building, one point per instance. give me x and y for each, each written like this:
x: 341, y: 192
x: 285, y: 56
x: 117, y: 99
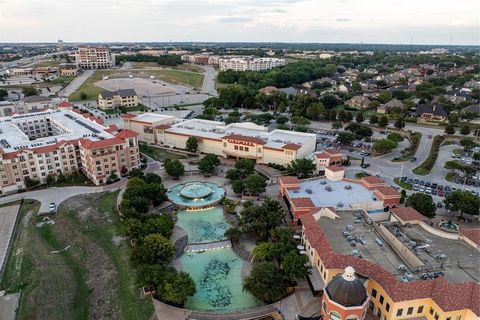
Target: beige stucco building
x: 236, y: 140
x: 120, y: 98
x: 94, y: 58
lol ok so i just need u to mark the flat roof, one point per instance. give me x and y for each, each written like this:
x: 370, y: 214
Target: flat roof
x: 217, y: 130
x: 73, y: 125
x: 153, y: 117
x: 342, y: 192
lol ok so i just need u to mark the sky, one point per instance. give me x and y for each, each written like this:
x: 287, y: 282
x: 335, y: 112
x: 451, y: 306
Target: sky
x: 328, y: 21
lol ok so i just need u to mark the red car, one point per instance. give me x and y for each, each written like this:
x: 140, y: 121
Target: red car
x: 441, y: 193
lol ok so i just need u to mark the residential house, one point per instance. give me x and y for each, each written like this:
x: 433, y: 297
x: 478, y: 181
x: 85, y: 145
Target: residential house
x: 394, y: 103
x: 428, y: 112
x: 358, y: 102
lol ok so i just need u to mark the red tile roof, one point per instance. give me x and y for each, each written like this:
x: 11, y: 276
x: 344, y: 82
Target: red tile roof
x: 372, y: 180
x: 332, y: 151
x: 289, y: 180
x: 387, y: 191
x: 407, y: 214
x: 126, y: 133
x: 112, y: 128
x: 448, y: 296
x: 163, y: 126
x: 472, y: 234
x: 322, y: 155
x: 64, y: 104
x: 89, y: 144
x: 239, y: 137
x: 291, y: 146
x: 302, y: 203
x: 335, y: 168
x: 129, y: 116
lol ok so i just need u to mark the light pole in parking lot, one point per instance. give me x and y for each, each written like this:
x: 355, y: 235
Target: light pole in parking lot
x: 401, y: 172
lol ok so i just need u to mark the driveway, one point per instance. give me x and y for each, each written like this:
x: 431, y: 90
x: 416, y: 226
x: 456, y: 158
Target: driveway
x: 208, y: 86
x: 75, y: 84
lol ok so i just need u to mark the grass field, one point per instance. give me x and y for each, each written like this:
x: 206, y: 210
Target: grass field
x: 91, y: 277
x: 403, y: 184
x: 187, y: 78
x: 154, y: 65
x: 159, y: 154
x: 49, y: 63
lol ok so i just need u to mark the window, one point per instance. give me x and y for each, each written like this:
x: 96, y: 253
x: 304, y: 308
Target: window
x: 459, y: 317
x: 335, y: 316
x: 449, y: 318
x: 235, y: 147
x: 399, y: 312
x: 437, y: 316
x: 431, y: 311
x: 324, y: 306
x: 374, y: 293
x: 351, y: 318
x: 246, y: 149
x: 381, y: 299
x: 410, y: 311
x: 387, y: 307
x: 420, y: 309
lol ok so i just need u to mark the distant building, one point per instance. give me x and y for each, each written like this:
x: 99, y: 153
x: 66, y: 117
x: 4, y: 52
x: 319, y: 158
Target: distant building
x: 94, y: 58
x: 428, y: 112
x: 386, y: 107
x: 358, y: 102
x: 329, y: 157
x: 249, y: 63
x: 120, y: 98
x: 7, y: 108
x: 67, y: 70
x: 34, y: 104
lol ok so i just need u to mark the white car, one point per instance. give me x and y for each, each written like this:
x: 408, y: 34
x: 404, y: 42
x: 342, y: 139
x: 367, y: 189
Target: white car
x: 52, y: 207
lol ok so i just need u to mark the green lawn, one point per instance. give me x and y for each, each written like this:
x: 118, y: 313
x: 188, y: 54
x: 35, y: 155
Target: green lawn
x: 89, y: 86
x: 450, y: 177
x: 191, y: 79
x: 403, y: 184
x: 159, y: 154
x: 361, y: 175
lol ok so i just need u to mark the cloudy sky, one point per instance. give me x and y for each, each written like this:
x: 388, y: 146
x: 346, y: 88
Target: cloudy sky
x: 370, y: 21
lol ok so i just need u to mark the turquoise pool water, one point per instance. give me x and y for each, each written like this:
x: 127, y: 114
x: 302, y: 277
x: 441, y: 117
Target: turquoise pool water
x: 218, y: 277
x: 203, y: 226
x: 195, y: 194
x: 376, y: 211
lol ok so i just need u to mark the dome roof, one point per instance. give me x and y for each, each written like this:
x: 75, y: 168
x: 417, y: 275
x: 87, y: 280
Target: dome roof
x: 347, y: 289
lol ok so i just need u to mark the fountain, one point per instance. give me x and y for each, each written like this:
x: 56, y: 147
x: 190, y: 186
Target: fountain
x: 197, y: 195
x: 448, y: 226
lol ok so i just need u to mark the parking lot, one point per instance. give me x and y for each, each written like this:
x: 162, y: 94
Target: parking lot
x: 434, y: 188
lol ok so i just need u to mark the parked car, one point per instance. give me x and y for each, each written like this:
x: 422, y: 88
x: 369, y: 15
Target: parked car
x: 52, y: 207
x: 413, y: 159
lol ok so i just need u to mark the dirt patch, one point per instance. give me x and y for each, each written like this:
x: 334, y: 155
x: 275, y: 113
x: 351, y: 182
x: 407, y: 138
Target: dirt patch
x: 74, y: 226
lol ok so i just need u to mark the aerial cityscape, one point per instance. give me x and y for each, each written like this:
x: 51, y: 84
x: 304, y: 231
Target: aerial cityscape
x: 255, y: 160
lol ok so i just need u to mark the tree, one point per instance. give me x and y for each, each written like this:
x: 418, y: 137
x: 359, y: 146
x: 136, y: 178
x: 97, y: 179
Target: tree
x: 154, y: 248
x: 423, y: 203
x: 50, y: 180
x: 84, y: 96
x: 245, y: 167
x: 3, y: 94
x: 302, y: 168
x: 464, y: 202
x: 373, y: 119
x: 394, y: 136
x: 136, y: 172
x: 449, y: 130
x: 384, y: 97
x: 208, y: 164
x: 348, y: 116
x: 314, y: 111
x: 177, y: 288
x: 337, y: 125
x: 29, y: 91
x: 162, y: 225
x: 112, y: 177
x: 359, y: 130
x: 151, y: 177
x: 345, y: 138
x: 264, y: 251
x: 403, y: 195
x: 259, y: 220
x: 453, y: 118
x: 238, y: 186
x: 465, y: 130
x: 399, y: 123
x: 383, y: 146
x: 266, y: 282
x: 468, y: 144
x: 255, y: 184
x: 233, y: 233
x: 295, y: 265
x: 192, y: 144
x: 359, y: 118
x: 383, y: 122
x: 174, y: 168
x: 30, y: 183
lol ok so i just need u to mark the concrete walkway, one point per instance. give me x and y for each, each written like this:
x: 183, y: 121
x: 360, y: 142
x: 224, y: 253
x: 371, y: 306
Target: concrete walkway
x: 8, y: 219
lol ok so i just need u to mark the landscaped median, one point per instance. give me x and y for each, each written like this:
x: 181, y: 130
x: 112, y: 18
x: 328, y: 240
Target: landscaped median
x: 425, y: 168
x: 403, y: 184
x: 409, y: 152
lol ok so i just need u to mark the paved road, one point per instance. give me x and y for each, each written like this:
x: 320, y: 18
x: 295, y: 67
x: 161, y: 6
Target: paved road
x: 75, y: 84
x: 208, y: 86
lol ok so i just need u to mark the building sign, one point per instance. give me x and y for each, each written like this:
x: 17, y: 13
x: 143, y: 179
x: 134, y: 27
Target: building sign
x: 243, y: 143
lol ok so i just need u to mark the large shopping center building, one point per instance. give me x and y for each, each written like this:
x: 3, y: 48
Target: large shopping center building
x: 235, y: 140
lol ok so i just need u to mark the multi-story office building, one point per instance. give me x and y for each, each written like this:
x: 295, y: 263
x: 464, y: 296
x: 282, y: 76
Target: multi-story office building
x: 249, y: 63
x: 40, y: 144
x: 94, y: 58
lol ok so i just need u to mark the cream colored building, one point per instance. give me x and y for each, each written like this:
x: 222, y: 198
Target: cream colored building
x: 146, y: 125
x: 121, y: 98
x: 236, y: 140
x: 249, y: 63
x: 67, y: 70
x: 94, y: 58
x: 51, y: 142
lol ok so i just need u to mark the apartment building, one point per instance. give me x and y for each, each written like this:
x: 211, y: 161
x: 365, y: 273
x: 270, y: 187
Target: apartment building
x: 94, y: 58
x: 120, y: 98
x: 50, y: 142
x: 249, y: 63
